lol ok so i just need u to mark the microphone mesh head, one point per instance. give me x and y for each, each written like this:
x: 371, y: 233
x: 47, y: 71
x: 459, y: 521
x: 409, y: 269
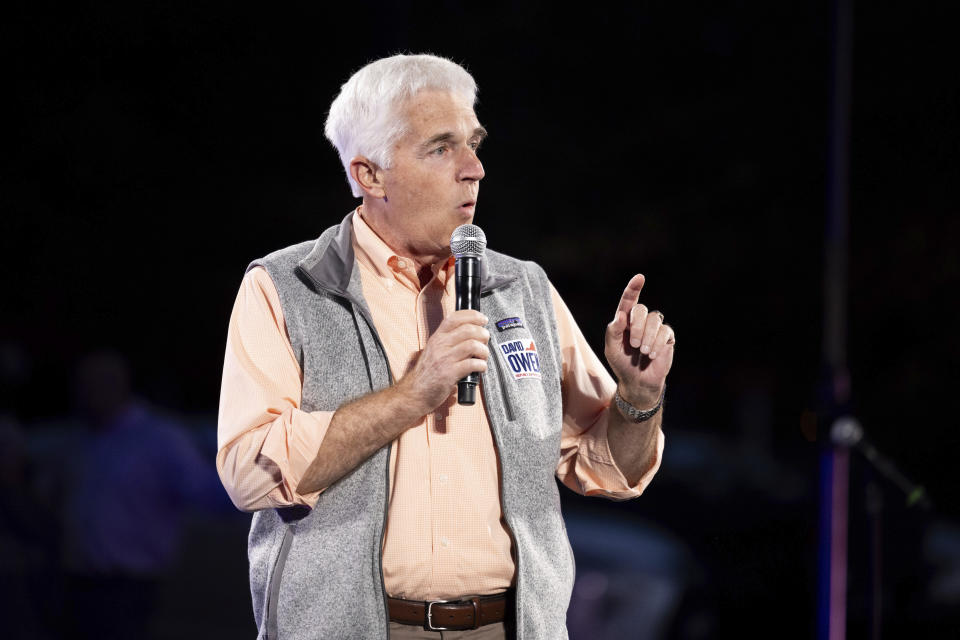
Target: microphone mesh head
x: 468, y: 240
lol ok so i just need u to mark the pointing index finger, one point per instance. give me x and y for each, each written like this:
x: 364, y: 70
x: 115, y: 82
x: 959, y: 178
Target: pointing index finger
x: 631, y: 295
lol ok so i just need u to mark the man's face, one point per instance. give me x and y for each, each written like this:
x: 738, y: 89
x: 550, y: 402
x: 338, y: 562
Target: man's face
x: 433, y: 184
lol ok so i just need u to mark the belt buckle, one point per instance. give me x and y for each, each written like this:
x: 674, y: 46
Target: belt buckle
x: 430, y: 626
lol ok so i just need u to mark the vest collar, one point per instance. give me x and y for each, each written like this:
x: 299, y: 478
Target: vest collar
x: 331, y: 261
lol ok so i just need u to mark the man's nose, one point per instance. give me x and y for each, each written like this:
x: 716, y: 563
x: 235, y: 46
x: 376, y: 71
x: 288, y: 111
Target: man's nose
x: 471, y: 169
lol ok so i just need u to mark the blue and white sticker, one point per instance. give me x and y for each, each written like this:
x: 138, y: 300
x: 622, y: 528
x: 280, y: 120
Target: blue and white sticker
x: 509, y: 323
x: 521, y: 358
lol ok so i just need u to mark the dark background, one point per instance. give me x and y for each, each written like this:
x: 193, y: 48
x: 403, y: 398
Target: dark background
x: 153, y: 150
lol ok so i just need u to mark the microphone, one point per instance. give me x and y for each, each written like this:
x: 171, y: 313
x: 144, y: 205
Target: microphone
x: 847, y: 432
x: 467, y: 245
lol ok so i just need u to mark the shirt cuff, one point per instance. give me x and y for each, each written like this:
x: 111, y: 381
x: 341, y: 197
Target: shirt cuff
x: 597, y: 471
x: 262, y: 468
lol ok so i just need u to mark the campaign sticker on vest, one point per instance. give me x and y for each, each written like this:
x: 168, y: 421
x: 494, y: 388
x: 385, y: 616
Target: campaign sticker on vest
x: 509, y: 323
x: 521, y: 358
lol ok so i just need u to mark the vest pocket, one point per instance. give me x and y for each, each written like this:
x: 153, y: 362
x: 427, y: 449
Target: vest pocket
x: 526, y: 381
x: 504, y: 389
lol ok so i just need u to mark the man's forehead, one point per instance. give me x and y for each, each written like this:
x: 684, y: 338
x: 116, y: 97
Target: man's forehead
x: 436, y: 117
x: 434, y: 109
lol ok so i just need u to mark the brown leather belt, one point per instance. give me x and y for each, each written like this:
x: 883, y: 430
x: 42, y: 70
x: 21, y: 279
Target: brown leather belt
x: 452, y: 615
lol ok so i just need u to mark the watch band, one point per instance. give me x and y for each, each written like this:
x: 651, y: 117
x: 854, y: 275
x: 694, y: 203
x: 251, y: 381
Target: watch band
x: 638, y: 415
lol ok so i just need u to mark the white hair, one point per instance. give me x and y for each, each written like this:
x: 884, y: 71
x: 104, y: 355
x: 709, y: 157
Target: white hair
x: 365, y: 118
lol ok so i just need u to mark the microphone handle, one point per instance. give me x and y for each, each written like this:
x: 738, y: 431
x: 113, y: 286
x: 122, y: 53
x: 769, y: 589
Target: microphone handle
x: 467, y: 285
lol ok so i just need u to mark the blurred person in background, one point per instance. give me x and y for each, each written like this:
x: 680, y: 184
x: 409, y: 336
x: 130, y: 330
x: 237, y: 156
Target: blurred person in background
x: 130, y: 483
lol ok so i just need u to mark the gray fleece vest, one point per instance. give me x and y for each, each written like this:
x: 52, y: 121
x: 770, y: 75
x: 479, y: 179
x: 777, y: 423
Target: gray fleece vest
x: 316, y: 573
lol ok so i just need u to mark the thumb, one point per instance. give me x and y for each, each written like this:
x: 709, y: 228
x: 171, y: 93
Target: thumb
x: 619, y: 324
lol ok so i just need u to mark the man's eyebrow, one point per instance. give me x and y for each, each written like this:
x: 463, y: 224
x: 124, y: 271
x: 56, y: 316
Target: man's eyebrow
x: 449, y: 136
x: 440, y: 137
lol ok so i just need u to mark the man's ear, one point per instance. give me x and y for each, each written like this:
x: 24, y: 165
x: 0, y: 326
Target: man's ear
x: 368, y: 175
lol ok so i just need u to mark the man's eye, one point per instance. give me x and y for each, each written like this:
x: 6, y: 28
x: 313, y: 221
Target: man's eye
x: 439, y: 151
x: 475, y: 145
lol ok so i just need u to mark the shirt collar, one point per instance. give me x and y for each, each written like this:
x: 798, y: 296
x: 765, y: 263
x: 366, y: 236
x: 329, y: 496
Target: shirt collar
x: 370, y: 249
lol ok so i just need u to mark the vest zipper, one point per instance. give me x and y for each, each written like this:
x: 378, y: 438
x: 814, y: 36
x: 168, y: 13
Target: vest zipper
x: 276, y: 575
x: 514, y: 548
x: 386, y: 480
x: 359, y: 308
x: 383, y: 533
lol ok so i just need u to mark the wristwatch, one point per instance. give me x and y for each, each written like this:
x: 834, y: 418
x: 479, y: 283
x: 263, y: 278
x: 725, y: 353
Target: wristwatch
x: 638, y: 415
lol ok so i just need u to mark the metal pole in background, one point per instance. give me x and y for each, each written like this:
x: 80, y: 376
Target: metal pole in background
x: 835, y: 459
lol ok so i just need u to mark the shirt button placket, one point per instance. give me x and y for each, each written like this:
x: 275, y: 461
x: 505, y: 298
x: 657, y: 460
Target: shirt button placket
x: 422, y: 337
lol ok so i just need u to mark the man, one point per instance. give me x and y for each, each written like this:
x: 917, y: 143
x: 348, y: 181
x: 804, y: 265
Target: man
x: 130, y: 480
x: 376, y: 497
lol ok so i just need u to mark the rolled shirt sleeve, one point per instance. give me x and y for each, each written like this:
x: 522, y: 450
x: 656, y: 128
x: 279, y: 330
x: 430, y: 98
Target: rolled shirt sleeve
x: 265, y: 442
x: 586, y: 463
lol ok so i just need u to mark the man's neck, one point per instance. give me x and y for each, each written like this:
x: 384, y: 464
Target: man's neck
x: 375, y: 217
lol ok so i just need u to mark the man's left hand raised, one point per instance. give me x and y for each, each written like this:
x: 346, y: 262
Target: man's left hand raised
x: 639, y: 347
